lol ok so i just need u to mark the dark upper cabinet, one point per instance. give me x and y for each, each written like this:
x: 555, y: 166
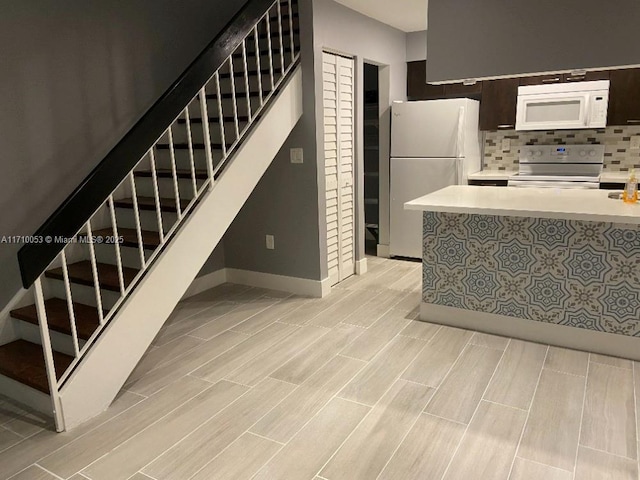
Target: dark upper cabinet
x: 565, y: 78
x: 417, y: 86
x: 460, y: 90
x: 587, y: 76
x: 624, y: 97
x: 498, y: 105
x: 542, y: 79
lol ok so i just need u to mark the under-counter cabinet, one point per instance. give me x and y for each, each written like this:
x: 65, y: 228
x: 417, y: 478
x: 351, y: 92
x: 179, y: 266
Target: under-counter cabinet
x: 498, y: 105
x: 624, y: 97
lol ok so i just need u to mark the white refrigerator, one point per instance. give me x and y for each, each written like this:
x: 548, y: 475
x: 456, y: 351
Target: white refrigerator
x: 434, y: 144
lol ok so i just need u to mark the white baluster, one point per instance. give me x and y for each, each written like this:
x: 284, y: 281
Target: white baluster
x: 116, y: 242
x: 72, y: 314
x: 205, y: 130
x: 281, y: 38
x: 268, y: 20
x: 156, y: 194
x: 258, y: 62
x: 45, y: 337
x: 191, y: 159
x: 293, y: 42
x: 234, y: 100
x: 94, y: 271
x: 174, y: 174
x: 246, y: 80
x: 136, y: 214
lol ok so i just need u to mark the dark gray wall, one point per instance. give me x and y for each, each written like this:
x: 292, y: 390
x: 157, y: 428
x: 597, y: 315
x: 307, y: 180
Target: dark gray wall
x: 491, y: 38
x: 215, y: 262
x: 285, y: 202
x: 75, y: 76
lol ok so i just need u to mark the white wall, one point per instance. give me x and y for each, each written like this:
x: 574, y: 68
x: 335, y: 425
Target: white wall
x: 417, y: 46
x: 342, y: 30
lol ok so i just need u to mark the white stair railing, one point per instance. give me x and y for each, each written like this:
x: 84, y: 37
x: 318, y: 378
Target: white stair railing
x: 280, y: 14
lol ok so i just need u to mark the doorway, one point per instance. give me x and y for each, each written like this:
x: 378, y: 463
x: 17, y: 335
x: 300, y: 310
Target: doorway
x: 371, y: 127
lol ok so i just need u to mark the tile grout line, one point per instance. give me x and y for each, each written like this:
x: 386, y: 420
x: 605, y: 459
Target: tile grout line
x: 49, y: 472
x: 207, y: 421
x: 240, y: 343
x: 76, y: 439
x: 543, y: 464
x: 506, y: 406
x: 564, y: 373
x: 333, y: 397
x: 398, y: 378
x: 526, y: 421
x: 444, y: 474
x: 608, y: 453
x: 609, y: 365
x: 584, y: 401
x: 209, y: 387
x: 442, y: 418
x: 409, y: 430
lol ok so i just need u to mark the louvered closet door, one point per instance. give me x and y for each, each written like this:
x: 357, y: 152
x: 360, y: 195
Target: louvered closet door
x: 339, y: 149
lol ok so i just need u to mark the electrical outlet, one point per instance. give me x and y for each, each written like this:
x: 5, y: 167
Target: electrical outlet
x: 297, y: 155
x: 635, y: 142
x: 506, y: 144
x: 271, y: 242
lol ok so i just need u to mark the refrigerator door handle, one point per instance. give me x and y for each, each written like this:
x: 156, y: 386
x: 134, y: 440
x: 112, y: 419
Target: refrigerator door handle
x: 460, y: 146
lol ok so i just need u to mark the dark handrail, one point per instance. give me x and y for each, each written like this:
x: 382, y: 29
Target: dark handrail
x: 74, y: 212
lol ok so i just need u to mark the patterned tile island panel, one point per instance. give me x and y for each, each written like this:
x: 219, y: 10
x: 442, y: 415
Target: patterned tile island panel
x: 567, y: 272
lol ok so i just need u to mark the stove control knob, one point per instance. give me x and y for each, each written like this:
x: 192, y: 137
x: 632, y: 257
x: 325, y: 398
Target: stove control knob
x: 592, y: 153
x: 583, y: 153
x: 539, y: 153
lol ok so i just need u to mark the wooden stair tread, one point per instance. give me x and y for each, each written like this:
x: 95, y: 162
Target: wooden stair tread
x: 168, y: 173
x: 24, y: 362
x: 149, y: 203
x: 150, y: 239
x: 86, y: 316
x: 81, y: 273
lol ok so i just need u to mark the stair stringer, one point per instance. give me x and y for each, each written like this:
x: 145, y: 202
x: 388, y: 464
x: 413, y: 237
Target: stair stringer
x: 99, y: 377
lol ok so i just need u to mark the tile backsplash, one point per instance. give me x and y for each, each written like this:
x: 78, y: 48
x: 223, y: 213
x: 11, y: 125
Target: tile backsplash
x: 618, y: 156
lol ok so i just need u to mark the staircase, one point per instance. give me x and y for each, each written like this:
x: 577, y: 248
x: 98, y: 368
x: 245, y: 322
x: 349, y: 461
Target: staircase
x: 97, y: 297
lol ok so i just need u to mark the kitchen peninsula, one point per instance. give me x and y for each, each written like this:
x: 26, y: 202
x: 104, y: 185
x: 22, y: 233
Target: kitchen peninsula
x: 558, y: 266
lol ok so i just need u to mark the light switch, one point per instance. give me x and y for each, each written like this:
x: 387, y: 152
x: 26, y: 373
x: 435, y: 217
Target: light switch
x: 635, y: 142
x: 506, y: 144
x: 297, y: 155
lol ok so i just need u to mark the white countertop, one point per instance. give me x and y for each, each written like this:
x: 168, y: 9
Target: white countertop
x: 589, y: 205
x: 492, y: 175
x: 605, y: 177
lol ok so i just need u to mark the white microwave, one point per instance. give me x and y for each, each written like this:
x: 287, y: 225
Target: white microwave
x: 563, y: 106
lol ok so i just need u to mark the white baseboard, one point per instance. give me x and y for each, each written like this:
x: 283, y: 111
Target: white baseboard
x: 206, y: 282
x: 383, y: 251
x: 548, y: 333
x: 298, y: 286
x: 362, y: 266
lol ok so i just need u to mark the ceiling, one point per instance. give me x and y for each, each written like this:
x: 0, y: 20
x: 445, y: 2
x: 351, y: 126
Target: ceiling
x: 405, y: 15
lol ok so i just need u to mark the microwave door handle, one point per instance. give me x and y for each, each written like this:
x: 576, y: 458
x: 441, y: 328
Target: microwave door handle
x: 587, y: 110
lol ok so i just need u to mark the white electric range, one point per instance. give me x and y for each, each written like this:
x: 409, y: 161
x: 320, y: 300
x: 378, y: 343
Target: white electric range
x: 559, y: 166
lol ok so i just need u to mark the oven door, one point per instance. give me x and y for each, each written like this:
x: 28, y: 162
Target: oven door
x: 553, y: 111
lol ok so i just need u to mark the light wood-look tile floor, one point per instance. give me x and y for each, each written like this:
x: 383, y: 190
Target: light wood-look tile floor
x: 244, y: 383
